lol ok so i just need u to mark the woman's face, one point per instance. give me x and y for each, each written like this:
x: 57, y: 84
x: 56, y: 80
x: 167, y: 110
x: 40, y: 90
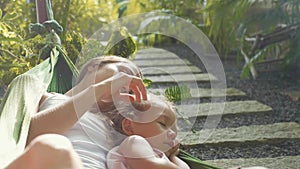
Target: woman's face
x: 161, y: 132
x: 110, y: 69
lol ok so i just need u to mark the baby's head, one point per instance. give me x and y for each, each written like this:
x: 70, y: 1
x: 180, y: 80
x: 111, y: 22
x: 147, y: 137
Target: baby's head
x: 153, y: 119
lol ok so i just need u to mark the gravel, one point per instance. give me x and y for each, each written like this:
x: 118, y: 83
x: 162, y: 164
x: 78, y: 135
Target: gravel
x: 246, y: 150
x: 269, y: 88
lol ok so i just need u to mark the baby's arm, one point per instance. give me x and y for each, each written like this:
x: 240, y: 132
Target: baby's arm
x: 172, y: 155
x: 139, y: 154
x: 181, y: 164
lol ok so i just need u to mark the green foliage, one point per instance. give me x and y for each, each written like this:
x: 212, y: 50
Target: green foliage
x: 178, y: 93
x: 21, y: 50
x: 231, y: 22
x: 121, y: 43
x: 224, y: 19
x: 15, y: 53
x: 293, y: 54
x: 84, y: 16
x: 227, y: 24
x: 147, y: 82
x: 189, y: 10
x: 74, y: 42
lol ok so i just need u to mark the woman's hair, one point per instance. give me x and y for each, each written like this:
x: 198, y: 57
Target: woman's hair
x: 104, y: 60
x: 130, y: 111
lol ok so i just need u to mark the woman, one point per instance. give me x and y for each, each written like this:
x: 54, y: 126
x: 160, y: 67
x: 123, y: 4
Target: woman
x: 102, y: 80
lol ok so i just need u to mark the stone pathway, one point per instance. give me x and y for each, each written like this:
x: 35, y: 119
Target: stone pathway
x: 166, y: 69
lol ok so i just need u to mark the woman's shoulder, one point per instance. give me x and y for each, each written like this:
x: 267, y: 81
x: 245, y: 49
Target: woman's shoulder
x: 50, y: 99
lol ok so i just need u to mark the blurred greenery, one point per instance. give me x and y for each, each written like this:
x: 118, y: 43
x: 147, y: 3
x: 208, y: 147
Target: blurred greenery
x: 178, y: 93
x: 228, y: 24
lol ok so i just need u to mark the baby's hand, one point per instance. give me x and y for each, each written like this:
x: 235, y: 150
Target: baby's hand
x: 173, y: 151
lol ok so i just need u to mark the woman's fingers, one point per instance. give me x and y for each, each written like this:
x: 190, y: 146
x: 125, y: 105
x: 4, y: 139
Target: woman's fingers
x: 111, y: 88
x: 136, y: 92
x: 127, y: 97
x: 133, y: 83
x: 139, y: 89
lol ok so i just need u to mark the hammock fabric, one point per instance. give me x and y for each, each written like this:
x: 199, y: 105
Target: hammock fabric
x: 19, y: 104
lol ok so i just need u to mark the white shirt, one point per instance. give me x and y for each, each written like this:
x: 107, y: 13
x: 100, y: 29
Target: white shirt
x: 90, y: 136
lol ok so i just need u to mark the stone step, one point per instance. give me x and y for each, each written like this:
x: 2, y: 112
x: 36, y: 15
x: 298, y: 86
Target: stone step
x: 254, y: 133
x: 283, y: 162
x: 177, y: 78
x: 154, y: 53
x: 162, y: 62
x: 206, y: 93
x: 166, y: 70
x: 233, y: 107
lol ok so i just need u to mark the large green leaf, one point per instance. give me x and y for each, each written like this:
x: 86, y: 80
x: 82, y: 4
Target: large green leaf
x: 19, y: 104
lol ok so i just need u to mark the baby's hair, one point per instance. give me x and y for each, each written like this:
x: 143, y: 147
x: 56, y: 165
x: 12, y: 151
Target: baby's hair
x: 129, y: 111
x: 103, y: 60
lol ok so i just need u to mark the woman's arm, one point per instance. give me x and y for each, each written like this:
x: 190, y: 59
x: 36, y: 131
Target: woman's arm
x: 139, y: 154
x: 60, y: 118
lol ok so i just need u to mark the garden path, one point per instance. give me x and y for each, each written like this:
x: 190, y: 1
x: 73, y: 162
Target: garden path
x: 205, y: 111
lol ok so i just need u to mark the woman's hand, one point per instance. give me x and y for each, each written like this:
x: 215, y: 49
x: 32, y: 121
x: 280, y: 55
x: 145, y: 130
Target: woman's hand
x: 112, y: 88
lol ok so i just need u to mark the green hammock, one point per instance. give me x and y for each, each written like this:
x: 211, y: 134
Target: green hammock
x: 19, y: 103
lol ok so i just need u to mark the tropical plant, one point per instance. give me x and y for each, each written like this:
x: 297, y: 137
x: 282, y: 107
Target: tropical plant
x: 178, y: 93
x: 15, y: 51
x: 21, y: 49
x: 231, y: 25
x: 235, y: 25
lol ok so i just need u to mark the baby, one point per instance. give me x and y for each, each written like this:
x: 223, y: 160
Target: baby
x: 150, y: 127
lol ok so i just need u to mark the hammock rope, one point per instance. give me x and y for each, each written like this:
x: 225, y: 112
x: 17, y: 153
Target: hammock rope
x: 64, y: 69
